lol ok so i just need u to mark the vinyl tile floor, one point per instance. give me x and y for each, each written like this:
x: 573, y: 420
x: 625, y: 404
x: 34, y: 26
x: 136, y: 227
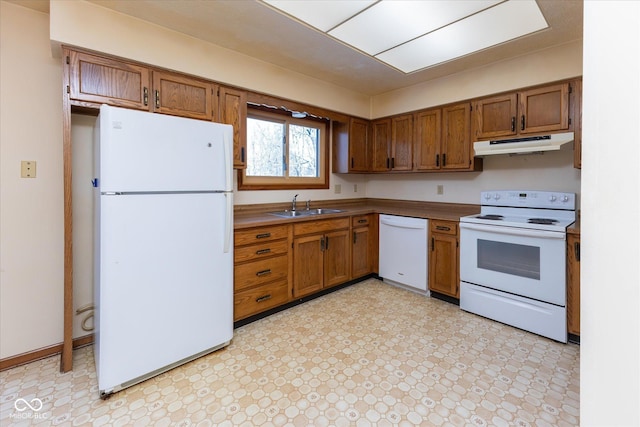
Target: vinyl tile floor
x: 367, y: 355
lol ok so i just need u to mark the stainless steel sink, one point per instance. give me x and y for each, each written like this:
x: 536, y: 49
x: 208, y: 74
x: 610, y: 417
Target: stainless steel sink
x: 321, y: 211
x: 304, y: 212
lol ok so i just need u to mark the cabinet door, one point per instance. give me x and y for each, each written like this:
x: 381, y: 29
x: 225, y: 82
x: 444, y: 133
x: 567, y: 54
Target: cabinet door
x: 380, y: 141
x: 361, y: 263
x: 108, y: 81
x: 573, y: 284
x: 427, y: 139
x: 308, y: 267
x: 336, y: 257
x: 493, y: 117
x: 233, y: 111
x: 544, y: 109
x: 443, y: 264
x: 402, y: 143
x: 456, y: 144
x: 181, y: 95
x: 358, y: 147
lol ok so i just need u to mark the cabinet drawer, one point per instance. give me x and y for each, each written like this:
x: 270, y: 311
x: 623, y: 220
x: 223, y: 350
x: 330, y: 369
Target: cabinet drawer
x: 262, y: 271
x: 262, y: 250
x: 256, y: 300
x: 259, y: 235
x: 360, y: 220
x: 320, y: 226
x: 444, y: 227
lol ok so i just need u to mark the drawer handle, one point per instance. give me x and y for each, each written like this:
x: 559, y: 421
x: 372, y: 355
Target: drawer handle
x: 362, y: 221
x: 263, y: 235
x: 263, y: 298
x: 442, y: 228
x: 263, y: 251
x: 263, y: 272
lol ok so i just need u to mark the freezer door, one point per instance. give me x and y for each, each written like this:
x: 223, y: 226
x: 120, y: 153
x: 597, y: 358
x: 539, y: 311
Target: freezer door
x: 142, y: 152
x: 165, y: 282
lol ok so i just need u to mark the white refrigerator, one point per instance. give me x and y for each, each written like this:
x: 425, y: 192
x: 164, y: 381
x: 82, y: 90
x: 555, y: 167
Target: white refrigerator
x: 163, y: 284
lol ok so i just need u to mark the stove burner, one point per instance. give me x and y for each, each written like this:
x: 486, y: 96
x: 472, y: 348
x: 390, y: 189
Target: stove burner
x: 543, y: 221
x: 493, y: 217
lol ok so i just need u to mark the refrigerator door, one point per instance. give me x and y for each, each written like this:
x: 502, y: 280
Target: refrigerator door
x: 148, y: 152
x: 165, y: 283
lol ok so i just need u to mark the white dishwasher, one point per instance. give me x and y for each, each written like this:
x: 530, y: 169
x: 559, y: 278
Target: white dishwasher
x: 403, y: 251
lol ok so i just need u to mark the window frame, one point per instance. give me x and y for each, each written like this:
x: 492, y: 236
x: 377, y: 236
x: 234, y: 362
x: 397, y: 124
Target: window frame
x: 281, y: 183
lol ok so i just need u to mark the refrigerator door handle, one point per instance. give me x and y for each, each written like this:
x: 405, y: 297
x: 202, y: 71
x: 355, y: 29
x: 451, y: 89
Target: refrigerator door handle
x: 228, y: 223
x: 228, y: 162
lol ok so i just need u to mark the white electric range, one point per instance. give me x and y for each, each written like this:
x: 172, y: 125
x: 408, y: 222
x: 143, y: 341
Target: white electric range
x: 512, y: 259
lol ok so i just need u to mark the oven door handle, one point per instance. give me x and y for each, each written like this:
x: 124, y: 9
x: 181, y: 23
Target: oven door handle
x: 512, y: 231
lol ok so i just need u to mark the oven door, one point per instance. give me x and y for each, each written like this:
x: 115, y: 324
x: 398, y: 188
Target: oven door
x: 529, y: 263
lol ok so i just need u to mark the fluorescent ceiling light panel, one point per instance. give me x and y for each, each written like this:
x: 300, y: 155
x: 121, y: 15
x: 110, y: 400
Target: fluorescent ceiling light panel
x: 504, y: 22
x: 388, y: 24
x: 321, y: 14
x: 411, y: 35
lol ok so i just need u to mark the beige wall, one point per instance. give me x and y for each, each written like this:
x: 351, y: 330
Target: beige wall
x: 31, y: 221
x: 557, y: 63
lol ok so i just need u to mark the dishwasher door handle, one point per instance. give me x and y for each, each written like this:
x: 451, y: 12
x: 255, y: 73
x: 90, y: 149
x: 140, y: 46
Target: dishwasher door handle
x: 402, y: 224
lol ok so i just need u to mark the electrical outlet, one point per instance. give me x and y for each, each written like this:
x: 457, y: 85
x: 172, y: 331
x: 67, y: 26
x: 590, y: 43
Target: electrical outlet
x: 337, y: 189
x: 28, y: 169
x: 355, y: 188
x: 440, y: 189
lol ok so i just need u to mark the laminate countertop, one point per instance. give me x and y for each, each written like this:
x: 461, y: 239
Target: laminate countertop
x: 247, y: 216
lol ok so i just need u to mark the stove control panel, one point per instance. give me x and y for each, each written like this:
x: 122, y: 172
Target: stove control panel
x: 529, y: 199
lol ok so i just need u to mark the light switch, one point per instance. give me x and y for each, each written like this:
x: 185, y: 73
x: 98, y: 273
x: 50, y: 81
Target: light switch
x: 28, y: 169
x: 337, y: 189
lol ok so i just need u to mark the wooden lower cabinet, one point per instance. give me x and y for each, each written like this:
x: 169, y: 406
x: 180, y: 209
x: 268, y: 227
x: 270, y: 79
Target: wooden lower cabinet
x: 336, y: 258
x: 573, y: 284
x: 275, y: 264
x: 321, y: 255
x: 261, y: 270
x: 444, y: 257
x: 261, y: 298
x: 364, y: 245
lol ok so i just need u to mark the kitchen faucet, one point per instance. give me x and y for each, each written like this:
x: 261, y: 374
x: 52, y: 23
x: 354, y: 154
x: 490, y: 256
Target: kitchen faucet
x: 293, y: 203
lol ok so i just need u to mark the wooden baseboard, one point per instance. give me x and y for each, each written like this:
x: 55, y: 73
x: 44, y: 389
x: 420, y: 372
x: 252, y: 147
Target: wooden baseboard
x: 41, y: 353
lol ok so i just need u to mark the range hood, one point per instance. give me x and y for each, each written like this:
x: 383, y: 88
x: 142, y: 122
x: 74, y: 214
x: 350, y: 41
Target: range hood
x: 523, y: 145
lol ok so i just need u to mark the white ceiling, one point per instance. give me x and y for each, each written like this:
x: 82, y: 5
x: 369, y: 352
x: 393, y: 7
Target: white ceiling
x: 255, y: 29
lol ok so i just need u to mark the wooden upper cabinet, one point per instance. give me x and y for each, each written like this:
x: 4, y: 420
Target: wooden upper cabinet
x: 102, y: 80
x: 181, y: 95
x: 380, y: 138
x: 233, y: 111
x: 358, y: 145
x: 496, y: 116
x: 544, y: 109
x: 351, y: 146
x: 402, y: 143
x: 541, y: 109
x: 428, y: 127
x: 456, y: 142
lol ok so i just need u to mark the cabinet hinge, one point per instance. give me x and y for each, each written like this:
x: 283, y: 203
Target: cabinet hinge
x: 570, y: 89
x: 68, y: 60
x: 68, y: 89
x: 470, y: 107
x: 569, y: 120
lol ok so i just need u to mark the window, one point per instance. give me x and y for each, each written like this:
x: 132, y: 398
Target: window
x: 285, y: 152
